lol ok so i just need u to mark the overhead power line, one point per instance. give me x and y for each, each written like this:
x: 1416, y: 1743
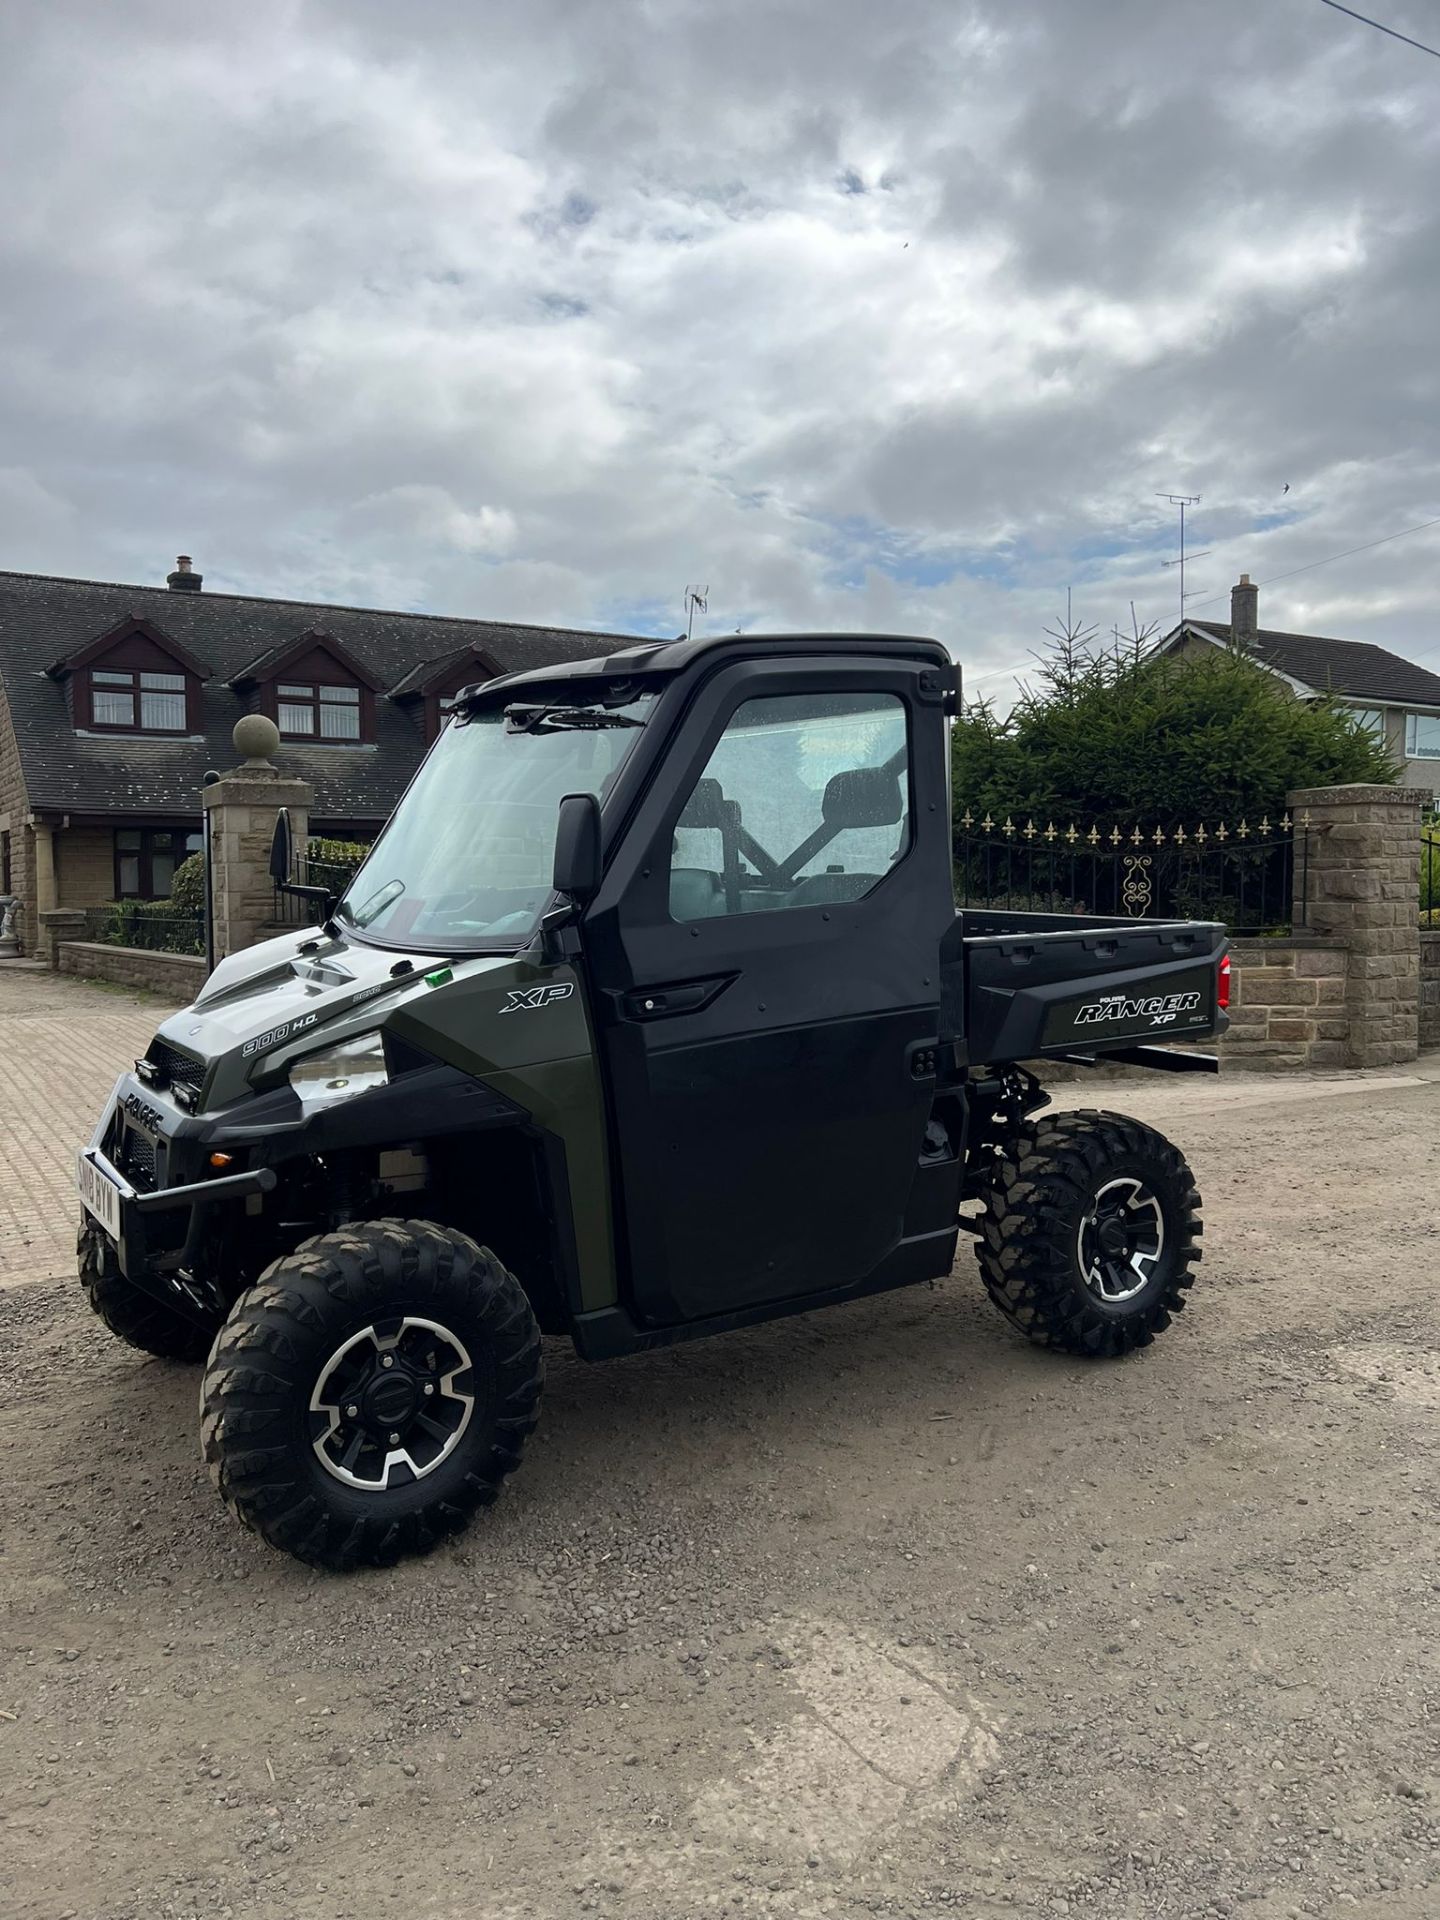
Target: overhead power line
x: 1379, y: 27
x: 1384, y: 540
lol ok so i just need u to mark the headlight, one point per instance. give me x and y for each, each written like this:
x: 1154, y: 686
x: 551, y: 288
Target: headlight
x: 334, y: 1073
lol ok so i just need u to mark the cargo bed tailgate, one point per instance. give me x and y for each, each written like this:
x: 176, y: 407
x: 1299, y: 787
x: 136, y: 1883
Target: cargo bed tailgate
x: 1093, y: 988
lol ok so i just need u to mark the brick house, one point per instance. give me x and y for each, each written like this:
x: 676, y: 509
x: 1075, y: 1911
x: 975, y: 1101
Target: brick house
x: 1396, y: 698
x: 114, y: 700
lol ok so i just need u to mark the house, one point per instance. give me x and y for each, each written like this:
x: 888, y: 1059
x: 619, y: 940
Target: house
x: 115, y: 700
x: 1397, y: 699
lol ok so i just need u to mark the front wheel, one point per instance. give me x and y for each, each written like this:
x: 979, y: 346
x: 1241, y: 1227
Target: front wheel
x: 370, y: 1391
x: 131, y: 1313
x: 1090, y: 1233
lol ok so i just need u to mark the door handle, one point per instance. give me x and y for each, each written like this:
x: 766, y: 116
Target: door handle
x: 686, y: 996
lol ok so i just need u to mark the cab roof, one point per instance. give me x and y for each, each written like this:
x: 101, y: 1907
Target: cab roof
x: 652, y: 658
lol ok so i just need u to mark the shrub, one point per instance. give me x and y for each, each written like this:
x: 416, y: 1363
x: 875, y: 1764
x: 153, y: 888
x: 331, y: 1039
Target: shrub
x: 187, y: 891
x: 152, y: 924
x: 1121, y: 735
x: 333, y: 863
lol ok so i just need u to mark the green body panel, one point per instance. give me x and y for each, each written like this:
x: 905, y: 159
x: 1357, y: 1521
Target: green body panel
x: 543, y: 1058
x: 263, y: 1008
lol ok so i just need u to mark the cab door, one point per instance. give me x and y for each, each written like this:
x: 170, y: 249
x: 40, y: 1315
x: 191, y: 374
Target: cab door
x: 764, y: 966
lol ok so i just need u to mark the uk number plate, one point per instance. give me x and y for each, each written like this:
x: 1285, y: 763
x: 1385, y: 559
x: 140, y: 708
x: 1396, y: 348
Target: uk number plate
x: 99, y: 1195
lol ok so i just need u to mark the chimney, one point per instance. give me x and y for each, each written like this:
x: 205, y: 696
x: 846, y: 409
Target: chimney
x: 1244, y: 612
x: 184, y: 579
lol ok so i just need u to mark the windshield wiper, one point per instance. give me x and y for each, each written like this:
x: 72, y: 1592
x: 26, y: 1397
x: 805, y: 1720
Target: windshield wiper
x: 373, y: 905
x: 523, y: 719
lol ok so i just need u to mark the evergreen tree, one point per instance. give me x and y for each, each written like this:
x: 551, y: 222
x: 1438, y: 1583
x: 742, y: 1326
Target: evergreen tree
x: 1117, y: 733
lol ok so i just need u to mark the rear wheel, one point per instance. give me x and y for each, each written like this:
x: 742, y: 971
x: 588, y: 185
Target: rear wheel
x: 1090, y: 1233
x: 370, y: 1392
x: 130, y: 1313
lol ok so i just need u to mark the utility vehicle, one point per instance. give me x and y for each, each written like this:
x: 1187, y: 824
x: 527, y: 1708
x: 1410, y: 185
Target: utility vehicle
x: 649, y: 1015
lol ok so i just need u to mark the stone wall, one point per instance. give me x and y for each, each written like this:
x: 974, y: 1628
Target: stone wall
x: 1359, y: 881
x: 1287, y: 1004
x: 177, y: 976
x: 1430, y: 988
x: 240, y: 814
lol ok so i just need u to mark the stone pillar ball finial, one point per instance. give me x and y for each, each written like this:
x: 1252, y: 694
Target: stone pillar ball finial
x: 257, y: 738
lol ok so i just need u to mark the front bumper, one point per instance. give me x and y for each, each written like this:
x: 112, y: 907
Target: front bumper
x: 157, y: 1155
x: 134, y: 1246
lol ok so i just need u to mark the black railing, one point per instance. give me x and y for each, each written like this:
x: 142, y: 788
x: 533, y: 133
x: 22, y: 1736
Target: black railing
x: 155, y: 925
x: 1430, y: 874
x: 1244, y: 875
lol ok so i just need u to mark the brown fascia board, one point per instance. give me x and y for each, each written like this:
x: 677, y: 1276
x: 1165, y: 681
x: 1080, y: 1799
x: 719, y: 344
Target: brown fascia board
x: 440, y: 669
x: 134, y: 623
x: 270, y: 666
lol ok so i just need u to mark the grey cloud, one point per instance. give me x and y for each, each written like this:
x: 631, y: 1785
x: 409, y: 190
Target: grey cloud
x: 543, y: 309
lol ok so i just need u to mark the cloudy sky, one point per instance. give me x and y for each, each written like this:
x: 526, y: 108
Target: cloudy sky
x: 891, y: 316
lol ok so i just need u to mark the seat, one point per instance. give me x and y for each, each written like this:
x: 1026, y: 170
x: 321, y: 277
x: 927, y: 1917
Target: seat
x: 695, y: 894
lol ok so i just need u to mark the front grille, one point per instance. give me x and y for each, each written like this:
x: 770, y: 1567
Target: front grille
x: 180, y: 1069
x: 137, y: 1159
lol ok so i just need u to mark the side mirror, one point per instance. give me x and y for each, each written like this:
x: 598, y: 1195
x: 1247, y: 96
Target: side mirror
x: 282, y: 865
x: 281, y: 849
x: 577, y: 871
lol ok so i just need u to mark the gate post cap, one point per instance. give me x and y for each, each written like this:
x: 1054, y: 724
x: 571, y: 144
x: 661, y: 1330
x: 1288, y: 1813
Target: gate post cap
x: 256, y: 737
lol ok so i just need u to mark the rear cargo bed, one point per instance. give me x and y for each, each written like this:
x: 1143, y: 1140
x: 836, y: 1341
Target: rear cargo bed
x: 1030, y: 984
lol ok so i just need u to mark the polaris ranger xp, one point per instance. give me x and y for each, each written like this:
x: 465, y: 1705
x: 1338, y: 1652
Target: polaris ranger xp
x: 649, y: 1015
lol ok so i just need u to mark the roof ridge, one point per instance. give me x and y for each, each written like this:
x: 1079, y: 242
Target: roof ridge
x: 1286, y: 633
x: 335, y: 606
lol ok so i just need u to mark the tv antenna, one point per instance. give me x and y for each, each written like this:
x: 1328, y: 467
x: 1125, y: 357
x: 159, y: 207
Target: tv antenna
x: 695, y: 597
x: 1182, y: 501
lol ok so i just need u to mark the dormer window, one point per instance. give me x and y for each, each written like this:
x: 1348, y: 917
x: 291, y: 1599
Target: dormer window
x: 136, y: 701
x: 428, y: 687
x: 317, y: 712
x: 134, y: 679
x: 314, y: 689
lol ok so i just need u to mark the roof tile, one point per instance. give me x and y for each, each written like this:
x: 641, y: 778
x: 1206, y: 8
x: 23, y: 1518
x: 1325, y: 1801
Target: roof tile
x: 1355, y: 668
x: 44, y: 619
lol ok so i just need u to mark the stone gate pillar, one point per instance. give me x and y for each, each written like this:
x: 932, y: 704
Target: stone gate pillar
x: 240, y: 811
x: 1357, y: 875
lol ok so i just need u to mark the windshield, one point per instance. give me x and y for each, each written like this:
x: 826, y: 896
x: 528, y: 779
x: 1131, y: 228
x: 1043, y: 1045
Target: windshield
x: 466, y: 860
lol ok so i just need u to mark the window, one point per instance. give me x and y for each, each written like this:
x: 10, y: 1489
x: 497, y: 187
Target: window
x: 1372, y: 719
x: 466, y: 861
x: 311, y: 712
x: 804, y: 802
x: 1422, y: 736
x: 137, y: 701
x: 146, y: 859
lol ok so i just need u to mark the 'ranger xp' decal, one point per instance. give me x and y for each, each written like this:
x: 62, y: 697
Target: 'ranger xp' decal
x: 1158, y: 1009
x: 520, y: 999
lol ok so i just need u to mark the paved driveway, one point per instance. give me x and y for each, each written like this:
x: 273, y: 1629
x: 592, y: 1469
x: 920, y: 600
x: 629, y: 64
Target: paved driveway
x: 877, y: 1612
x: 62, y: 1042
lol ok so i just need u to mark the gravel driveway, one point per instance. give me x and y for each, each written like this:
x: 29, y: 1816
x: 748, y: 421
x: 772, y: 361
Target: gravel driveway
x: 877, y: 1611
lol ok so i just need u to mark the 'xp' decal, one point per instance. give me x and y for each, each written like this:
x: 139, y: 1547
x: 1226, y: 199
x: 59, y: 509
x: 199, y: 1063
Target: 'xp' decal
x: 523, y: 998
x: 1159, y: 1009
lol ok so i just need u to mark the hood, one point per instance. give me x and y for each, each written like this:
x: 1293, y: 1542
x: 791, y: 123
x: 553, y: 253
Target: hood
x: 273, y: 1000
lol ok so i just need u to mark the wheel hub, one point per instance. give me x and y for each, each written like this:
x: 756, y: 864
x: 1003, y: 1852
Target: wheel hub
x: 390, y: 1400
x: 1121, y: 1240
x: 391, y: 1403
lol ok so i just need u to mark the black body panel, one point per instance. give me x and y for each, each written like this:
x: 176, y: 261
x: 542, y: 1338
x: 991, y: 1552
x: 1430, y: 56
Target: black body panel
x: 767, y: 1117
x: 1081, y: 985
